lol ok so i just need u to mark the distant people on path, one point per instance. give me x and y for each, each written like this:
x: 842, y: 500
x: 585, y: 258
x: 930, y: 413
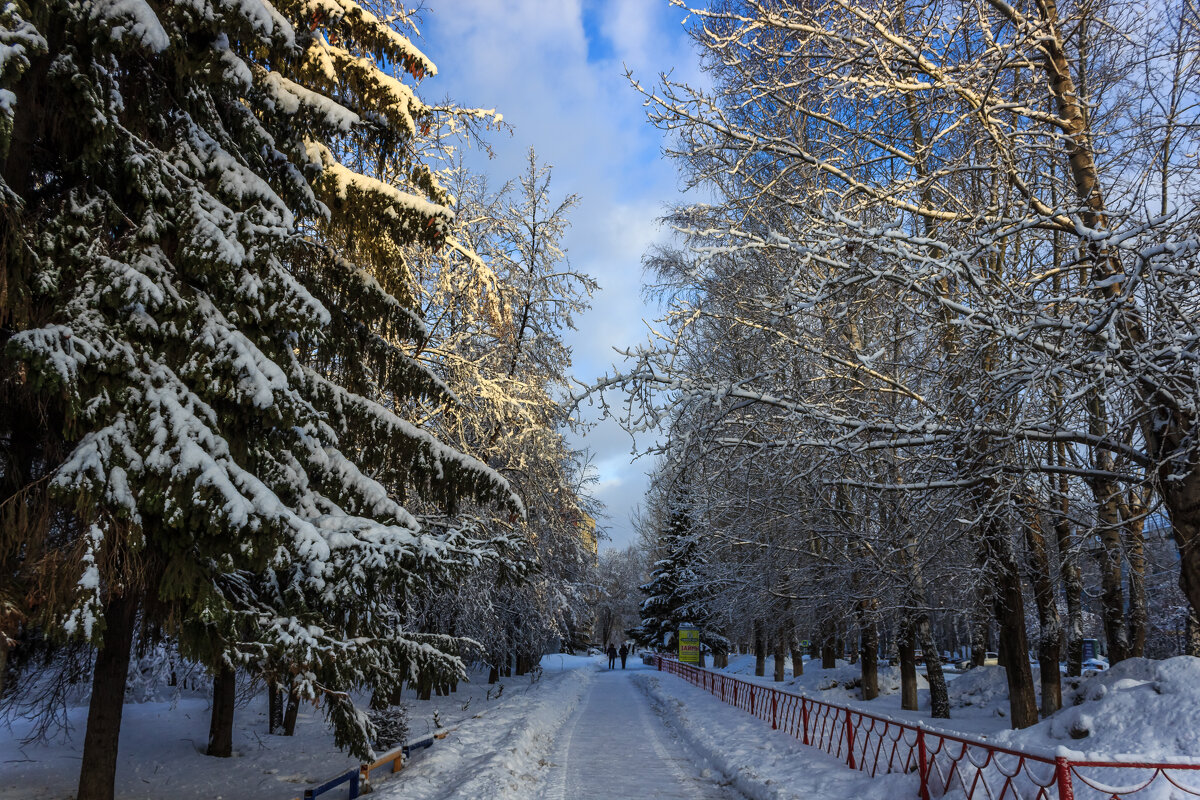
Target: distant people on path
x: 612, y: 656
x: 624, y: 654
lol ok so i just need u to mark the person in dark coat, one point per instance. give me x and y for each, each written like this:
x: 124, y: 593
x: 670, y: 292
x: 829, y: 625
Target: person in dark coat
x: 612, y: 656
x: 624, y: 651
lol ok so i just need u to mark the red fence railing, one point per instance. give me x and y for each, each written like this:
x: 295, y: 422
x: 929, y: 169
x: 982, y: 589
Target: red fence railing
x: 946, y: 763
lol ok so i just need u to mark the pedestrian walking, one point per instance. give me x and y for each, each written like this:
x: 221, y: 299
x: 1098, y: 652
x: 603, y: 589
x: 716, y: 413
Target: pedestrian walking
x: 612, y: 656
x: 624, y: 651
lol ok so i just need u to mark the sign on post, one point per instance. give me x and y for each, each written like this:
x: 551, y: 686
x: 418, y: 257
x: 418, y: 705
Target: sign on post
x: 689, y: 644
x: 1091, y: 648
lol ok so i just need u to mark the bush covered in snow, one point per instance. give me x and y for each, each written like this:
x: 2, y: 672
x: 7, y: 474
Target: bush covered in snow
x: 1140, y: 707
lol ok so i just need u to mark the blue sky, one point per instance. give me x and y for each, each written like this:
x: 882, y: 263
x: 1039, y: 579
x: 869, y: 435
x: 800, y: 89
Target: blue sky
x: 554, y: 69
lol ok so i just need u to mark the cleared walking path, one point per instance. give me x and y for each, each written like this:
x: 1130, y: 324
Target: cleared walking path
x: 583, y: 732
x: 614, y: 745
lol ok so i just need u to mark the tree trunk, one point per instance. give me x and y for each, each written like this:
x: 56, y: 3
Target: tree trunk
x: 797, y: 663
x: 760, y: 649
x: 869, y: 635
x: 908, y: 667
x: 220, y: 726
x: 1049, y: 622
x: 939, y: 698
x: 1133, y: 513
x: 780, y: 655
x: 99, y: 769
x: 4, y: 647
x: 828, y: 654
x: 275, y: 709
x: 1191, y: 645
x: 293, y: 708
x: 1010, y: 617
x: 1072, y: 579
x: 1070, y: 638
x: 1112, y: 592
x: 493, y: 674
x: 980, y: 623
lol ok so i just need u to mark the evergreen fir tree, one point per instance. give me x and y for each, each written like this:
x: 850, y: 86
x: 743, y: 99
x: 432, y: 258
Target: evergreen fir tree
x: 675, y: 593
x: 208, y: 333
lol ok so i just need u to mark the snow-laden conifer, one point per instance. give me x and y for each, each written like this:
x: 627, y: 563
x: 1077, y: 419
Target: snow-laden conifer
x: 209, y: 323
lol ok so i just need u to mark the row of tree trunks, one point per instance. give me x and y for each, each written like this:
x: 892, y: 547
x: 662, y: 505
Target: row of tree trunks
x: 1166, y: 425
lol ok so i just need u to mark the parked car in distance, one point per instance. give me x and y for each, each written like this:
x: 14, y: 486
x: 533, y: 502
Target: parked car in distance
x: 991, y: 659
x: 1092, y: 666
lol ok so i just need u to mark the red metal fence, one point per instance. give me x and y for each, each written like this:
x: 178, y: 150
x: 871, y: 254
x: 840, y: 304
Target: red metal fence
x: 948, y: 764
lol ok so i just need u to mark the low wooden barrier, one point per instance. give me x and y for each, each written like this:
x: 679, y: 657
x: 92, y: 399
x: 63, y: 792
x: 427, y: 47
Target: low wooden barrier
x: 358, y: 778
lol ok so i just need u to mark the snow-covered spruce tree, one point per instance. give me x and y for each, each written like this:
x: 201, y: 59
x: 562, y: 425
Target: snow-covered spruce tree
x: 675, y: 593
x: 205, y: 323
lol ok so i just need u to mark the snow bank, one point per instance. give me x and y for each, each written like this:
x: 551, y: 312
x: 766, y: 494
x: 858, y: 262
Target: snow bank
x: 761, y: 763
x: 1140, y: 708
x: 982, y: 688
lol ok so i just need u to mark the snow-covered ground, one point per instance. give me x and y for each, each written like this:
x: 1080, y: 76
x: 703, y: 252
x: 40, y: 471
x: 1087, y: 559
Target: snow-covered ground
x: 583, y: 731
x: 1140, y: 708
x: 162, y: 745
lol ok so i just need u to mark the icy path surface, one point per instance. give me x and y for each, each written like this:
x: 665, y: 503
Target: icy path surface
x: 616, y: 746
x: 587, y: 732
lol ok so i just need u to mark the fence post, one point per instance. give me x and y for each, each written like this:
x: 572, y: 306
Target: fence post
x: 735, y: 694
x: 923, y: 764
x: 752, y: 701
x: 849, y: 741
x: 804, y: 716
x: 308, y: 794
x: 774, y: 711
x: 1062, y: 772
x: 354, y: 786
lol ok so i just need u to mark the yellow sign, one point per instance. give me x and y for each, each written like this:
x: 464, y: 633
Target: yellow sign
x: 689, y: 644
